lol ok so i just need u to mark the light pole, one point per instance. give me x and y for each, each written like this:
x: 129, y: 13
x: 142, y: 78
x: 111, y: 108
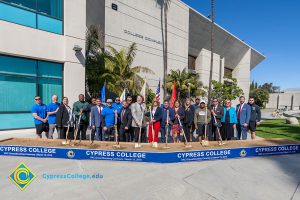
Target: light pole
x: 211, y: 49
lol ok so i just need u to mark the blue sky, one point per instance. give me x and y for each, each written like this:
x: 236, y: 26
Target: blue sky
x: 270, y: 26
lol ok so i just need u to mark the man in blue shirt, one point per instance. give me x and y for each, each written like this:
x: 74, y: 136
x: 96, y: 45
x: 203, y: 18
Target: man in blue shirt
x: 52, y: 109
x: 39, y: 113
x: 118, y: 106
x: 109, y: 114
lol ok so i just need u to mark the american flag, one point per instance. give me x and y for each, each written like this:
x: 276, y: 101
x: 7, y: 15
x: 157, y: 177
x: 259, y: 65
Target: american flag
x: 157, y: 94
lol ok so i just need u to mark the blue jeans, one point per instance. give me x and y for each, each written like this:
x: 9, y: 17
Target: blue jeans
x: 242, y: 131
x: 163, y: 130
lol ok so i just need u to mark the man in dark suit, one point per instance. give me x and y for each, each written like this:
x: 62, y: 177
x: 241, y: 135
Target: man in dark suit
x: 243, y: 116
x: 96, y: 122
x: 217, y: 114
x: 126, y: 119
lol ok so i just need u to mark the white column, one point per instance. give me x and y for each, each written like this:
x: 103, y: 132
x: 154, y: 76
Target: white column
x: 242, y: 73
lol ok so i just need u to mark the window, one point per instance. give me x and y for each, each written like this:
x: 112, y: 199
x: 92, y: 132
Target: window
x: 227, y: 72
x: 20, y: 80
x: 52, y: 8
x: 28, y: 4
x: 192, y: 63
x: 45, y: 15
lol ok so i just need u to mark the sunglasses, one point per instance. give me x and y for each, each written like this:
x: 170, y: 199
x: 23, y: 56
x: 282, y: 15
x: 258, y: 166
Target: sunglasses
x: 117, y: 99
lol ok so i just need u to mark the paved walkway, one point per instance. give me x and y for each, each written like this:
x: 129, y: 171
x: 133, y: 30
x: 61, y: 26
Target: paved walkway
x: 274, y: 177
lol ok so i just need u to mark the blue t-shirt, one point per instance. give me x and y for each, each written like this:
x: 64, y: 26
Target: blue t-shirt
x: 41, y: 111
x: 50, y: 108
x: 118, y: 107
x: 109, y: 115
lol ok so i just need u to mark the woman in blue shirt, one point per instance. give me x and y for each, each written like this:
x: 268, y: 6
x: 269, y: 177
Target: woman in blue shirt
x: 229, y: 121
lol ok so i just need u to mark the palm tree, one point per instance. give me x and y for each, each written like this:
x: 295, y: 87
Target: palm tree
x: 95, y: 64
x: 186, y: 82
x: 164, y: 4
x: 211, y: 49
x: 120, y: 72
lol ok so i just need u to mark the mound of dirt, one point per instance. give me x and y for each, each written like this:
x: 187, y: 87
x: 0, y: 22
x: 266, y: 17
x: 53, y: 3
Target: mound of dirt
x: 171, y: 147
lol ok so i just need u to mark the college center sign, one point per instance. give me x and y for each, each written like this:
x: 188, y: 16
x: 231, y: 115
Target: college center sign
x: 137, y: 35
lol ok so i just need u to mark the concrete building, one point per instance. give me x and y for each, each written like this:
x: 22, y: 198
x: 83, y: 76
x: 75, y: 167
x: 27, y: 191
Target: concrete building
x: 37, y: 56
x: 289, y: 99
x: 142, y: 22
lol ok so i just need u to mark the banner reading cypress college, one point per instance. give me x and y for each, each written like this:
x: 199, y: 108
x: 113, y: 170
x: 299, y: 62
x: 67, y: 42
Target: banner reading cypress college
x: 155, y: 157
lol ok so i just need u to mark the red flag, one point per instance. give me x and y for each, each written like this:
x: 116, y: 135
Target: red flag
x: 174, y: 94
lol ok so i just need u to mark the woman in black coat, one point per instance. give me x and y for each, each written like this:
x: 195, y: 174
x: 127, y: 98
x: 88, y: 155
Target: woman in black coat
x: 188, y: 121
x: 65, y: 120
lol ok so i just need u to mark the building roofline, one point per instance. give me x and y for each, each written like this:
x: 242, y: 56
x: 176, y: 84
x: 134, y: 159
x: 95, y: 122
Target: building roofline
x: 234, y: 36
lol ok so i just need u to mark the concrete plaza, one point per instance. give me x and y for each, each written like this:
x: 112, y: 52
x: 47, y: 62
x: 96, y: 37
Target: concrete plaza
x: 274, y: 177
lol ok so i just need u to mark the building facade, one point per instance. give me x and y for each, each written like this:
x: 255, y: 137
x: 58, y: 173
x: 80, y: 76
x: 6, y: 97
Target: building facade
x: 37, y: 56
x: 38, y: 37
x: 142, y: 22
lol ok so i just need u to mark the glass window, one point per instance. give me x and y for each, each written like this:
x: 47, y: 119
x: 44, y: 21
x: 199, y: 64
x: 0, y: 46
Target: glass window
x: 21, y: 80
x: 17, y: 93
x: 50, y: 7
x: 49, y: 87
x: 49, y: 69
x: 19, y: 66
x: 17, y: 15
x: 49, y: 24
x: 28, y: 4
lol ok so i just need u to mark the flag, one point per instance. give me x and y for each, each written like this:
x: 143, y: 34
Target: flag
x: 103, y: 91
x: 188, y: 95
x: 174, y: 94
x: 157, y: 94
x: 123, y: 96
x: 143, y: 91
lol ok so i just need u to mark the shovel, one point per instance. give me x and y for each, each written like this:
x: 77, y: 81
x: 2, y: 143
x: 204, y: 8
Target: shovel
x: 167, y: 132
x: 138, y: 145
x: 205, y: 142
x: 117, y: 145
x: 77, y: 129
x: 67, y: 134
x: 186, y: 145
x: 218, y: 130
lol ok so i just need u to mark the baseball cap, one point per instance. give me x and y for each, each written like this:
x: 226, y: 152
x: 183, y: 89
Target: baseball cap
x: 109, y: 101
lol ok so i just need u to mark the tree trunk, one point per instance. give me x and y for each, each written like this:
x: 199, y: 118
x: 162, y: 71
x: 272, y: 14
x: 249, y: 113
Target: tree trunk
x: 165, y: 48
x: 211, y: 49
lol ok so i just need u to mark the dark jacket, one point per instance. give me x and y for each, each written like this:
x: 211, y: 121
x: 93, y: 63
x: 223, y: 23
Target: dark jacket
x: 164, y: 116
x: 126, y: 117
x: 181, y: 114
x: 157, y: 115
x: 62, y: 116
x: 189, y: 115
x: 219, y: 110
x: 255, y: 113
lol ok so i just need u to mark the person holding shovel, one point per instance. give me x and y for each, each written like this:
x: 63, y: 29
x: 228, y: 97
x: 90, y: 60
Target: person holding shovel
x: 154, y: 125
x: 138, y: 120
x: 202, y: 117
x: 65, y: 120
x: 176, y: 128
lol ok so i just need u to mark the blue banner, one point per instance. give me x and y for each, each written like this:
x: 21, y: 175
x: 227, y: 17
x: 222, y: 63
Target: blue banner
x: 154, y: 157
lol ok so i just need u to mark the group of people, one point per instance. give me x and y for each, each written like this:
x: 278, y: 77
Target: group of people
x: 135, y: 122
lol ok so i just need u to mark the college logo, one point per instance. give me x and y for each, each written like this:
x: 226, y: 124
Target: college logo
x: 243, y: 153
x: 22, y: 176
x: 70, y: 154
